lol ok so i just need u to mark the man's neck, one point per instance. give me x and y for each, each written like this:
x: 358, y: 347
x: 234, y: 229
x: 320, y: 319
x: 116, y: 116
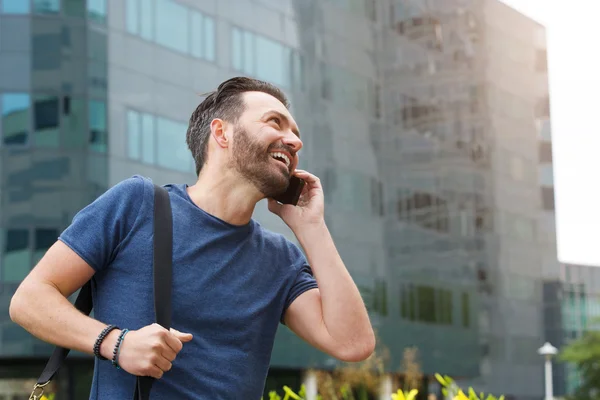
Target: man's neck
x: 225, y: 196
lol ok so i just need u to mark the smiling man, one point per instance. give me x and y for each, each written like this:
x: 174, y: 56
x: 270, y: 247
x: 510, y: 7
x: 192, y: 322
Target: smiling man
x: 234, y: 282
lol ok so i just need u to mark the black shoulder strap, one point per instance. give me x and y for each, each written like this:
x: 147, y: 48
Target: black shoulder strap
x: 162, y: 265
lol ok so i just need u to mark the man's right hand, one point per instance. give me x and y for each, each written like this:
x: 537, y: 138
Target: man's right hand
x: 148, y: 351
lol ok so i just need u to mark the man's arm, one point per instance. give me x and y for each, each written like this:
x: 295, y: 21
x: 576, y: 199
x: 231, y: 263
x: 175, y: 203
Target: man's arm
x: 333, y: 318
x: 40, y: 305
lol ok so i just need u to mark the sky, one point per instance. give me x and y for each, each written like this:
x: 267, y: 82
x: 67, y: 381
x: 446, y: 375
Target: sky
x: 574, y: 74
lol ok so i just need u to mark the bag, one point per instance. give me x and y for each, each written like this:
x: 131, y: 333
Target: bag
x: 162, y: 270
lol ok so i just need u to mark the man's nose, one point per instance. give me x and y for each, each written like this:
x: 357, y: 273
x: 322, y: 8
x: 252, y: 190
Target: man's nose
x: 293, y: 141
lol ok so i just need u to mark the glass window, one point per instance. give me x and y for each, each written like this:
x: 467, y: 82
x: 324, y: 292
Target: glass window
x: 133, y: 135
x: 237, y: 52
x: 15, y: 6
x: 46, y: 121
x: 545, y: 152
x: 202, y: 39
x: 74, y: 123
x: 197, y: 34
x: 131, y: 16
x: 172, y: 25
x: 16, y: 262
x: 74, y: 8
x: 148, y: 139
x: 426, y: 296
x: 209, y: 39
x: 97, y: 10
x: 548, y: 198
x: 15, y: 118
x: 466, y: 318
x: 44, y: 239
x: 146, y: 19
x: 270, y: 61
x: 98, y: 134
x: 171, y: 146
x: 46, y: 6
x: 546, y: 175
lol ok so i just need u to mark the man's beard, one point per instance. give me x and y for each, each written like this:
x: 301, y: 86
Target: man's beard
x: 253, y: 162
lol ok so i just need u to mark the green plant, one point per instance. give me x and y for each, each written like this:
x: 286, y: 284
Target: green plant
x: 451, y: 390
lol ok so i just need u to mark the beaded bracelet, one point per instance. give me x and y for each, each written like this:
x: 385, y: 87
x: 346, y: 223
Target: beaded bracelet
x: 117, y: 349
x: 101, y: 338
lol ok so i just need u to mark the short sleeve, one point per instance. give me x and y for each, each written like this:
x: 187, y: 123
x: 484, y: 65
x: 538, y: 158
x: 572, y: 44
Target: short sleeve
x: 97, y: 230
x: 304, y: 281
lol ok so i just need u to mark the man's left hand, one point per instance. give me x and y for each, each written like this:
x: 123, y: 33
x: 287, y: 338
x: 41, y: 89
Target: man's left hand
x: 310, y: 208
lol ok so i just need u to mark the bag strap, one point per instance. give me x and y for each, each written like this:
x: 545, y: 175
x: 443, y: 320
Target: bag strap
x: 162, y: 270
x: 163, y: 275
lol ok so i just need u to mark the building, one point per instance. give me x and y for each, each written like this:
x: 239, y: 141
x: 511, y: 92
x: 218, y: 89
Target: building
x: 420, y: 120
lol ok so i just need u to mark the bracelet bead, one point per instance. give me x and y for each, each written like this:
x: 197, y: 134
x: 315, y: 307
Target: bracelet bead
x: 117, y: 349
x: 101, y: 338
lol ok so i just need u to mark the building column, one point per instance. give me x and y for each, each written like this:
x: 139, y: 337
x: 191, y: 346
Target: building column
x: 385, y: 388
x: 310, y: 383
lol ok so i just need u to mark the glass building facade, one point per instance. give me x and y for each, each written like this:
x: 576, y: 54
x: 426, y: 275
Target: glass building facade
x: 421, y: 118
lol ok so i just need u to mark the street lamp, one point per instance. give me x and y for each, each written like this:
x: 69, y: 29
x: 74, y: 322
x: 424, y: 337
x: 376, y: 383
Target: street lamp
x: 547, y: 350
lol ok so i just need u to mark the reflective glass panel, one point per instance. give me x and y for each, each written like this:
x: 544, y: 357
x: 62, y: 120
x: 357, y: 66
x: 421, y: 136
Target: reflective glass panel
x: 46, y: 6
x: 74, y: 123
x: 97, y: 10
x: 172, y: 150
x: 269, y: 57
x: 74, y: 8
x: 15, y: 6
x: 209, y: 39
x: 46, y: 121
x: 98, y: 136
x: 15, y: 118
x: 133, y: 135
x: 131, y: 16
x: 237, y: 52
x: 16, y: 262
x: 146, y: 19
x: 172, y: 25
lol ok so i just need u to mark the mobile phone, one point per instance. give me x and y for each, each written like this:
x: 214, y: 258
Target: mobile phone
x: 293, y: 192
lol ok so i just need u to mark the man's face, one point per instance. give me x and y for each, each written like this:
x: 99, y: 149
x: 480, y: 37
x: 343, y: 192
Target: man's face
x: 265, y: 144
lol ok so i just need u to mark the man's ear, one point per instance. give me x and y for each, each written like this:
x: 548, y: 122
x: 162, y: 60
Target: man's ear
x: 218, y: 130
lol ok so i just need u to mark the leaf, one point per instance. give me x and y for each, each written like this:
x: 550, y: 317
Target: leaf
x: 412, y: 394
x: 501, y: 397
x: 461, y: 396
x: 440, y: 379
x: 290, y: 393
x: 472, y: 394
x: 448, y: 379
x: 445, y: 392
x: 302, y: 392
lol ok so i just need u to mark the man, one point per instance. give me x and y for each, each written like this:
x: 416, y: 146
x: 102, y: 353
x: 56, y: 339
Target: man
x: 233, y: 281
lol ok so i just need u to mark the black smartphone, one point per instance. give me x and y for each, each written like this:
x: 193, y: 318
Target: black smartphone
x: 293, y: 192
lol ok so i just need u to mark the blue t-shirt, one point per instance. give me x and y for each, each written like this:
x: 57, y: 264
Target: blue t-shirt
x: 231, y: 287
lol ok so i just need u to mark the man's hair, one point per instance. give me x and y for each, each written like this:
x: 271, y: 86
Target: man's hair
x: 226, y: 103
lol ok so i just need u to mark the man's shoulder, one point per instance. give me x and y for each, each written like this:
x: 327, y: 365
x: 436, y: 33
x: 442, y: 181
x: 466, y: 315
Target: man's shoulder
x: 279, y: 242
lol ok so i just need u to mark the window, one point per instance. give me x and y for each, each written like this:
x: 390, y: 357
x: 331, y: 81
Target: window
x: 74, y: 123
x: 346, y: 89
x: 202, y: 40
x: 548, y: 198
x: 133, y: 135
x: 172, y: 25
x: 541, y: 60
x: 545, y: 152
x: 97, y: 118
x: 426, y: 296
x: 466, y: 319
x: 97, y: 10
x: 15, y: 118
x: 139, y: 18
x: 444, y: 306
x: 140, y: 136
x: 46, y: 6
x: 44, y: 239
x: 16, y: 262
x: 266, y: 59
x: 171, y: 146
x: 15, y: 6
x: 74, y: 8
x: 46, y: 121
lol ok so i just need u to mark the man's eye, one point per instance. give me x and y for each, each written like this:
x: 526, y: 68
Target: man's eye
x: 276, y: 120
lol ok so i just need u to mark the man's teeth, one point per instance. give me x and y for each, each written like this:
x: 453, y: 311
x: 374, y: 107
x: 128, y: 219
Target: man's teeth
x: 283, y: 156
